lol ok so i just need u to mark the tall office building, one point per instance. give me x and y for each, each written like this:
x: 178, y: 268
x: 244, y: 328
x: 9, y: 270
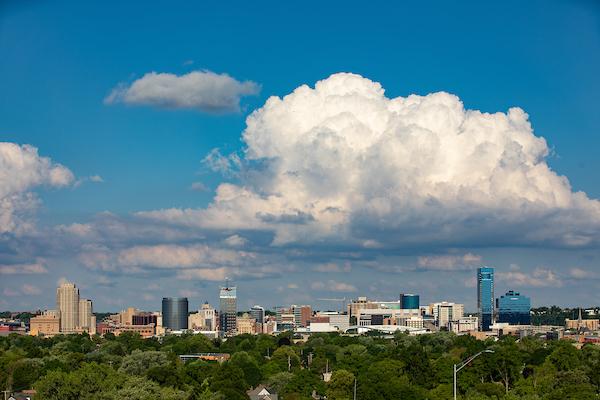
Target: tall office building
x: 67, y: 304
x: 258, y: 313
x: 86, y: 313
x: 485, y: 297
x: 409, y: 301
x: 228, y: 309
x: 514, y: 308
x: 175, y: 313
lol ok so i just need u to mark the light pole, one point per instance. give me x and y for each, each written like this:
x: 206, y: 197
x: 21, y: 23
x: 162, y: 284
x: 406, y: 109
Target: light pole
x: 464, y: 363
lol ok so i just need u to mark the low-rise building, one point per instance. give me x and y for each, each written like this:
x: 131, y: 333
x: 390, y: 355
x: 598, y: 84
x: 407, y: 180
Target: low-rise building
x: 47, y: 324
x: 246, y: 325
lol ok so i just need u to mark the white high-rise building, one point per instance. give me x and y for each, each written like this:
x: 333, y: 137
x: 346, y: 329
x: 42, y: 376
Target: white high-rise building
x: 67, y: 304
x: 85, y: 314
x: 446, y: 312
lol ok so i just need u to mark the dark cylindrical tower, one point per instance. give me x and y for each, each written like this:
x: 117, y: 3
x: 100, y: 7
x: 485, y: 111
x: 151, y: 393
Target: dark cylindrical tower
x: 175, y: 313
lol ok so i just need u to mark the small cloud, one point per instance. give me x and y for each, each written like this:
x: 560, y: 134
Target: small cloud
x: 292, y: 286
x: 62, y: 280
x: 333, y: 267
x: 333, y: 286
x: 30, y: 290
x: 226, y: 165
x: 199, y: 187
x: 96, y: 178
x: 580, y: 273
x: 236, y: 241
x: 91, y: 178
x: 75, y: 229
x: 372, y: 244
x: 449, y: 262
x: 197, y: 90
x: 9, y: 292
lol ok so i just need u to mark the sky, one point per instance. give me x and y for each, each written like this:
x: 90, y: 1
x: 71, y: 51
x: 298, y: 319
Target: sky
x: 305, y: 151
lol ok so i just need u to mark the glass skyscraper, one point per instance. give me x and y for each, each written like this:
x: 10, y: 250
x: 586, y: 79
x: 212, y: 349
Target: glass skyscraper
x: 175, y: 313
x: 485, y: 297
x: 228, y: 309
x: 409, y: 301
x: 514, y: 308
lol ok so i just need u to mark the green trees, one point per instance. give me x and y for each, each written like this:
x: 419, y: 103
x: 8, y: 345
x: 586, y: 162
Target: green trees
x: 138, y: 362
x: 405, y: 367
x: 341, y: 385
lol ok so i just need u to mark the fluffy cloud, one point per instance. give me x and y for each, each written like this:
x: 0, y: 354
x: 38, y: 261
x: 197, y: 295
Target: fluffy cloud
x: 201, y: 90
x: 163, y: 256
x: 539, y: 277
x: 23, y: 269
x: 342, y: 163
x: 21, y: 170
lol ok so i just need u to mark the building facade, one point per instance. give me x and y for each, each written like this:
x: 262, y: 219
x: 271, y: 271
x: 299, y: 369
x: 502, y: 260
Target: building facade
x: 485, y: 297
x: 513, y: 308
x: 258, y: 313
x: 86, y: 314
x: 228, y: 309
x: 302, y: 315
x: 409, y: 301
x: 246, y: 325
x: 445, y: 312
x: 175, y: 313
x: 67, y: 304
x: 47, y: 324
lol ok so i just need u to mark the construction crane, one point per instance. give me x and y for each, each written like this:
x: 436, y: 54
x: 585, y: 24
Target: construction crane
x: 341, y: 301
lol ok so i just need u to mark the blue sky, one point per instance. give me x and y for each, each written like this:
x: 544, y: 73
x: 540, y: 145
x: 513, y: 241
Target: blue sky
x: 60, y: 60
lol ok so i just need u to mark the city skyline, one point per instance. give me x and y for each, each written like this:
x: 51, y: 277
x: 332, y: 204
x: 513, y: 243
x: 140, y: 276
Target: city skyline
x: 355, y: 158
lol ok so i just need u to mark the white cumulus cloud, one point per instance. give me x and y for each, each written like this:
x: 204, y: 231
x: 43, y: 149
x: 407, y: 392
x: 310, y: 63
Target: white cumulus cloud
x: 201, y: 90
x: 21, y: 170
x: 343, y: 163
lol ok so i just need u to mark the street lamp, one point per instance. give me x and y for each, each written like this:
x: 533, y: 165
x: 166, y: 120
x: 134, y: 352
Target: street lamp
x: 464, y: 363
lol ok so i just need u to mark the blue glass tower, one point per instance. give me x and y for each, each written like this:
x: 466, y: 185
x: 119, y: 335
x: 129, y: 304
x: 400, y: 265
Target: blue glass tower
x: 514, y: 308
x: 485, y: 297
x: 409, y: 301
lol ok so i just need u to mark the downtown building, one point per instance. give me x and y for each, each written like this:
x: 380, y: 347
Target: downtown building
x: 175, y: 313
x: 203, y: 320
x: 513, y: 308
x: 228, y: 310
x: 72, y: 315
x: 485, y: 297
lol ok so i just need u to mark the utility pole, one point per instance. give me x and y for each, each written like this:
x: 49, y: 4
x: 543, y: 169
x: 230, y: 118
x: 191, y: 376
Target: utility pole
x: 354, y: 388
x: 289, y: 363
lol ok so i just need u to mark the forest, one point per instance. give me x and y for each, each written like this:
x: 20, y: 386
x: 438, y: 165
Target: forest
x: 403, y: 367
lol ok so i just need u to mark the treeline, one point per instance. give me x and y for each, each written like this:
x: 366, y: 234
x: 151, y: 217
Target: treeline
x: 556, y: 316
x: 405, y: 367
